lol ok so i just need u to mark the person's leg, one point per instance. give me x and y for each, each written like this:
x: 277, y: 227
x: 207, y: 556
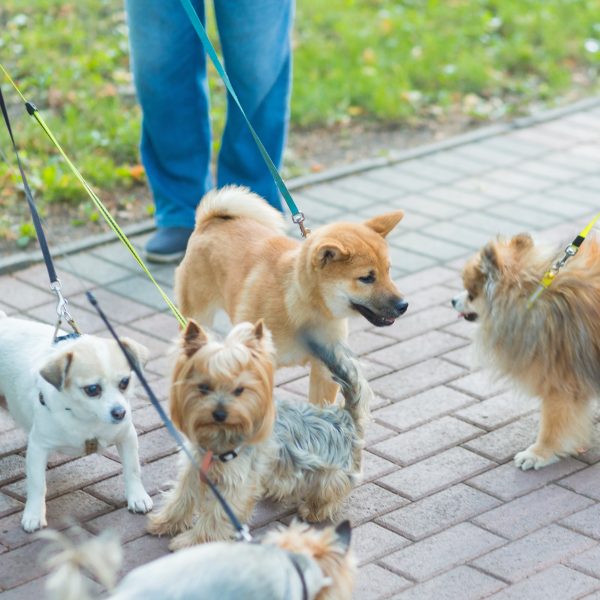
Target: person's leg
x: 169, y: 68
x: 256, y: 41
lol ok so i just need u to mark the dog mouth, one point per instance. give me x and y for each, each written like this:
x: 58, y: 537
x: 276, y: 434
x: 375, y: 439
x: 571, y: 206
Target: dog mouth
x: 372, y: 317
x: 468, y: 316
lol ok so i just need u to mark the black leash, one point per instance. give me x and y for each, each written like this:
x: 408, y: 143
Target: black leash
x: 242, y: 532
x: 61, y: 308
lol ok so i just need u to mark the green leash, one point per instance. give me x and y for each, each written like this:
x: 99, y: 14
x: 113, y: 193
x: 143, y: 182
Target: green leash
x: 297, y: 215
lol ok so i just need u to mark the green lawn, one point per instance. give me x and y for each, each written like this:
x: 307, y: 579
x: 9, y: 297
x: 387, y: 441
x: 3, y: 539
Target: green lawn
x: 371, y: 60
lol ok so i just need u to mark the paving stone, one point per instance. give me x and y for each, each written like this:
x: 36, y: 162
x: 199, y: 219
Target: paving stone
x: 424, y: 280
x: 375, y: 583
x: 588, y: 562
x: 407, y: 261
x: 416, y: 378
x: 153, y: 445
x: 463, y: 357
x: 86, y: 321
x: 431, y: 296
x: 431, y: 438
x: 428, y: 345
x: 534, y: 552
x: 507, y: 482
x: 421, y: 408
x: 61, y: 512
x: 376, y: 433
x: 438, y: 511
x: 503, y: 443
x: 461, y: 328
x: 72, y: 475
x: 11, y: 467
x: 531, y: 219
x: 441, y: 552
x: 436, y: 473
x: 155, y: 476
x: 267, y: 511
x: 22, y: 295
x: 127, y: 525
x: 432, y: 246
x: 143, y: 550
x: 363, y: 342
x: 375, y: 467
x: 424, y: 168
x: 480, y: 384
x: 533, y: 511
x: 20, y: 566
x: 498, y: 410
x: 369, y: 501
x: 286, y: 374
x: 587, y: 482
x: 161, y: 325
x: 556, y: 582
x: 462, y: 582
x: 9, y: 505
x: 147, y: 418
x: 398, y: 178
x: 421, y: 322
x: 331, y: 193
x: 361, y: 184
x: 118, y: 308
x: 586, y: 521
x: 370, y: 541
x: 91, y: 268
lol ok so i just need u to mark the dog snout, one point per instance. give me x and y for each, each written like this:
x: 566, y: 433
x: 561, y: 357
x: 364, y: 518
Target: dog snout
x: 454, y: 302
x: 118, y: 413
x: 219, y: 414
x: 401, y: 306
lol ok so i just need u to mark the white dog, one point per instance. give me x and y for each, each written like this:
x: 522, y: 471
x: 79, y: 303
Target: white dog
x: 72, y: 397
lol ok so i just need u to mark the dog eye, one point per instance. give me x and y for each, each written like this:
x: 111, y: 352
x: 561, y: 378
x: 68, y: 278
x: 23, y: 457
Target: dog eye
x: 470, y: 297
x: 93, y: 390
x: 124, y: 383
x: 238, y: 391
x: 370, y: 278
x: 204, y: 388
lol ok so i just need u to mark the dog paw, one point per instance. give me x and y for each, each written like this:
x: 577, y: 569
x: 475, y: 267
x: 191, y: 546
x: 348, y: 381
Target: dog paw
x: 140, y: 503
x: 530, y: 459
x: 184, y: 540
x: 32, y: 523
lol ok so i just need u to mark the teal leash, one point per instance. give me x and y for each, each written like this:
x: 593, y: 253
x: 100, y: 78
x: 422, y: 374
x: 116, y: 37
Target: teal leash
x: 297, y: 214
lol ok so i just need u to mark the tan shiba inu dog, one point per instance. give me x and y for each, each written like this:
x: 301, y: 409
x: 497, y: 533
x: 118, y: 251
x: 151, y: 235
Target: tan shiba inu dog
x: 239, y: 259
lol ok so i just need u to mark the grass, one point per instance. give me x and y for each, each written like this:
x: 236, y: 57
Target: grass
x: 397, y: 62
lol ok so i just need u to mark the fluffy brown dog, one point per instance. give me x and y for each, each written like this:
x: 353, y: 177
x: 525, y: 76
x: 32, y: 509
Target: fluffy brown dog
x: 552, y: 348
x: 239, y: 259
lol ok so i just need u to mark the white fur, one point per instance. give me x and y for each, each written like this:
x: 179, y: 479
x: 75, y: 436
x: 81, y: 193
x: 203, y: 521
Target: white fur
x: 69, y: 417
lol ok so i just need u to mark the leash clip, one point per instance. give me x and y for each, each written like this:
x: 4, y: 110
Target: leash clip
x: 243, y: 534
x: 298, y: 219
x: 62, y: 311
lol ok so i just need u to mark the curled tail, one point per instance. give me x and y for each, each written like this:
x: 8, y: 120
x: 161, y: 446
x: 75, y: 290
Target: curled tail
x: 232, y: 202
x: 101, y: 556
x: 346, y: 371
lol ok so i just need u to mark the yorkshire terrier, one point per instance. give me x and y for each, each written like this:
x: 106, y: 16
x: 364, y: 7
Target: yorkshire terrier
x: 549, y: 345
x: 221, y: 399
x: 298, y: 562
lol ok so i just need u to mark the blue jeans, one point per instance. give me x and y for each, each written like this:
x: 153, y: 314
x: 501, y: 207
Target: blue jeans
x: 169, y: 69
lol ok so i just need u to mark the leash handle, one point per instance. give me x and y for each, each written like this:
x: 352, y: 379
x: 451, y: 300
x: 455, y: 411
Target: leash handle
x: 242, y: 531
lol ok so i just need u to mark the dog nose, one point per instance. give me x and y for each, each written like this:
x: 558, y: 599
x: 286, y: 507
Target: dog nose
x: 453, y: 302
x: 219, y: 415
x: 401, y: 306
x: 118, y: 413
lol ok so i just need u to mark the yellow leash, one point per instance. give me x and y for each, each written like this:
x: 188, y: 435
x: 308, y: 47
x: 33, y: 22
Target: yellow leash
x: 33, y: 111
x: 570, y: 251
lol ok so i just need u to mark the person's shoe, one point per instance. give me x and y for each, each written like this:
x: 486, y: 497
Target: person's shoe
x: 168, y: 244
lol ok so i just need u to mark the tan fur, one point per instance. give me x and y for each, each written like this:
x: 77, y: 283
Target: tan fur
x: 237, y: 259
x: 552, y: 350
x: 322, y: 545
x: 222, y: 400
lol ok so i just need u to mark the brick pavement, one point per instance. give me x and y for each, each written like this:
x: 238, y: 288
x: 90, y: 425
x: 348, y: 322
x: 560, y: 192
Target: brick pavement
x: 442, y: 512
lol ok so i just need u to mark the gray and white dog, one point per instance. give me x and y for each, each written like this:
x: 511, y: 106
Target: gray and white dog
x: 296, y: 563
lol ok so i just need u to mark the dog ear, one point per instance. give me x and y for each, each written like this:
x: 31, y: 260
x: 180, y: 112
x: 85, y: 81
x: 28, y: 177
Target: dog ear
x: 55, y: 371
x: 343, y: 534
x: 329, y: 251
x: 383, y: 224
x: 522, y: 241
x: 259, y: 329
x: 137, y: 352
x: 193, y: 338
x: 491, y: 263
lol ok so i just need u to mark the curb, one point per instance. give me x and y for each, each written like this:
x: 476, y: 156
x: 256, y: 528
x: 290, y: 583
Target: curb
x: 23, y: 260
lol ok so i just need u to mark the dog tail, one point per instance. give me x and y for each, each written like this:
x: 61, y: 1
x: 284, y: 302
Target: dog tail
x: 346, y: 371
x: 101, y: 556
x: 236, y: 202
